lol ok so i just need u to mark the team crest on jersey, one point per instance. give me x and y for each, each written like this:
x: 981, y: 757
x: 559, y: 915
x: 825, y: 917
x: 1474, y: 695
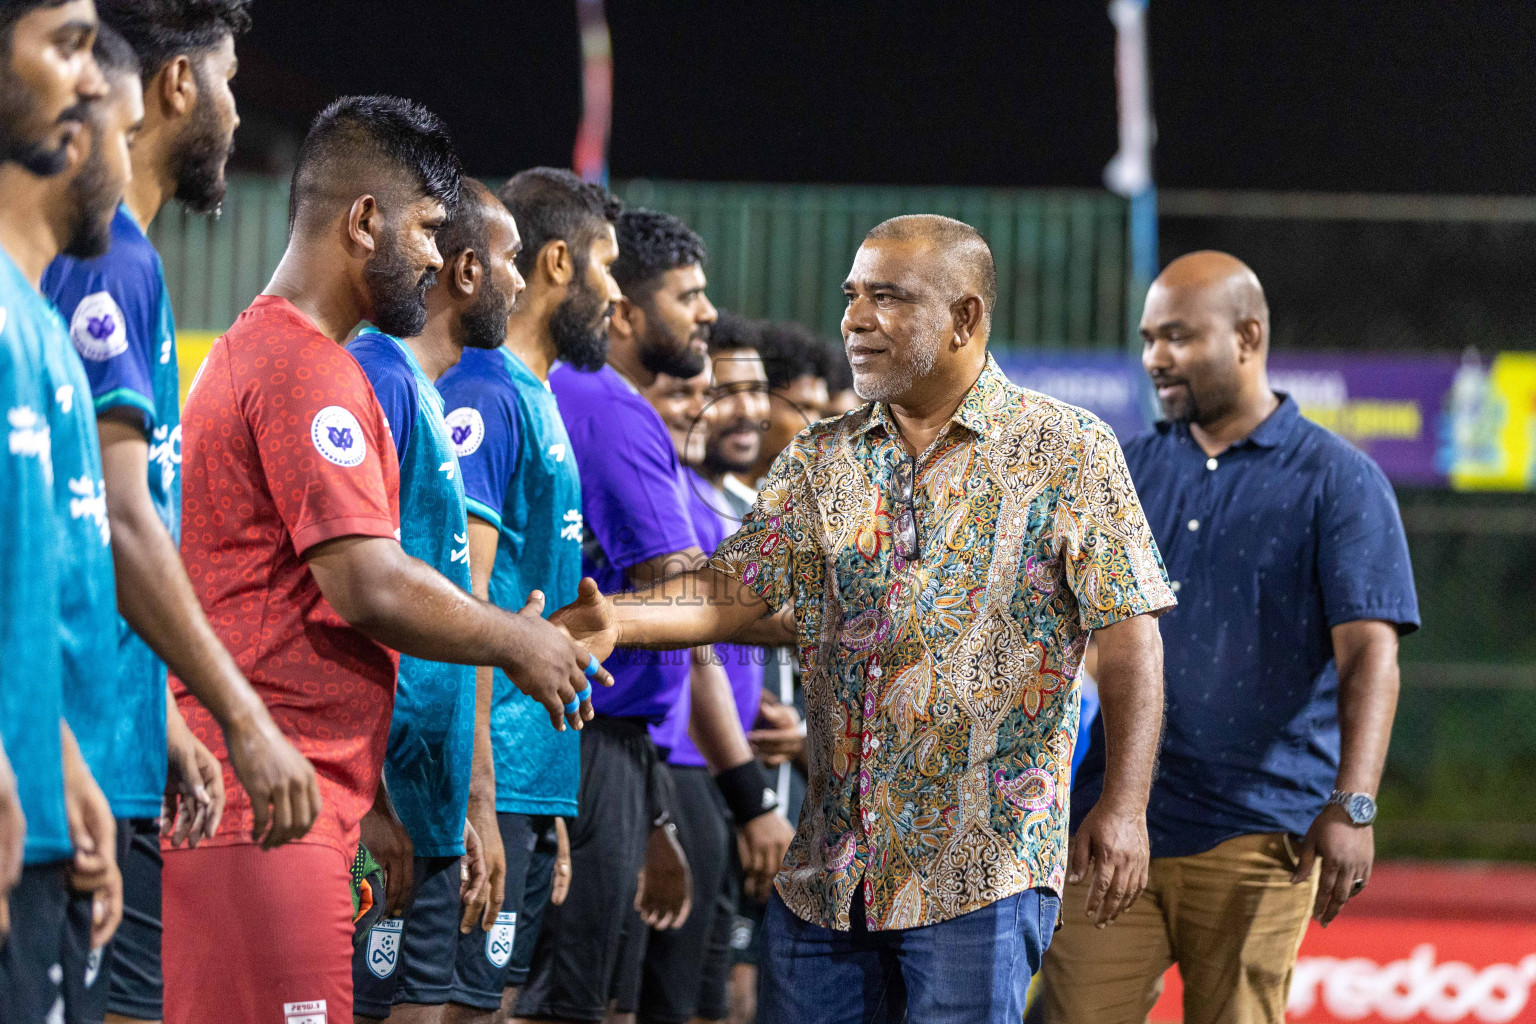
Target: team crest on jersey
x: 384, y: 946
x: 498, y: 941
x: 466, y: 429
x: 338, y: 436
x: 98, y: 329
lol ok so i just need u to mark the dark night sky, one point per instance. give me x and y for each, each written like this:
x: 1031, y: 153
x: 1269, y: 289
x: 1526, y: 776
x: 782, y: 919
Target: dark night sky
x: 1327, y: 95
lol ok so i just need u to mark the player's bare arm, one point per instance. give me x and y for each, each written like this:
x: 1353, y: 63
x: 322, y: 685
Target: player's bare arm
x: 403, y: 603
x: 1366, y: 652
x: 156, y: 598
x: 13, y: 840
x: 93, y: 833
x: 482, y: 785
x: 1111, y: 844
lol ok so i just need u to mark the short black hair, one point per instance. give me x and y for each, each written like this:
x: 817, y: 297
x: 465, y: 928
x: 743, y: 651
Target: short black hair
x: 732, y: 331
x: 790, y: 351
x: 357, y: 143
x: 650, y: 244
x: 162, y: 30
x: 548, y: 204
x: 465, y: 226
x: 113, y: 54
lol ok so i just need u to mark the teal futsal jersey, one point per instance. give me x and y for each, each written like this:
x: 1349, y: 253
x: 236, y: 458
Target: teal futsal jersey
x: 120, y: 322
x: 432, y: 734
x: 31, y: 667
x: 520, y: 476
x: 88, y: 582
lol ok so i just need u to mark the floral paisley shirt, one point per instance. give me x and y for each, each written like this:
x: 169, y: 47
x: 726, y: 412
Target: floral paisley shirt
x: 942, y: 693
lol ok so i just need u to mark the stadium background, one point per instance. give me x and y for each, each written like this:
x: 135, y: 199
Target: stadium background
x: 1356, y: 156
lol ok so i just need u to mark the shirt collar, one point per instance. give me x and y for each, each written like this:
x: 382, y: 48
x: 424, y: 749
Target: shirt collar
x: 1268, y: 434
x: 983, y: 411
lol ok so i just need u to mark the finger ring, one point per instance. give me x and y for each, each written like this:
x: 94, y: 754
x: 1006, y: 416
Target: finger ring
x: 592, y: 667
x: 573, y: 707
x: 1359, y: 884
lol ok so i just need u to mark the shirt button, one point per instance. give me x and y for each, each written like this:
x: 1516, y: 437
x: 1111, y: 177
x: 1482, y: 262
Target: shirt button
x: 1194, y: 524
x: 1210, y: 463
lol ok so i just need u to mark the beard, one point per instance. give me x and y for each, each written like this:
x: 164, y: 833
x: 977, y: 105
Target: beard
x: 916, y: 363
x: 20, y: 124
x: 485, y: 323
x: 398, y: 294
x: 579, y: 327
x: 660, y: 351
x: 717, y: 461
x: 201, y: 153
x: 93, y: 198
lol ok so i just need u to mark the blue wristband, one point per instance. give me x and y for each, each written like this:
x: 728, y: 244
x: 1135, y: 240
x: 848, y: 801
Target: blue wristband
x: 591, y: 669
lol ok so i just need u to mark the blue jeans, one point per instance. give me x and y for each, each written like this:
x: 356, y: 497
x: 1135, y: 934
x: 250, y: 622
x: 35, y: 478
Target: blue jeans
x: 973, y: 969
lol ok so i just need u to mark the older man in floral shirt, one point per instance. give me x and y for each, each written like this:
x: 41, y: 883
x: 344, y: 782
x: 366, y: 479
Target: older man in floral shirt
x: 947, y: 549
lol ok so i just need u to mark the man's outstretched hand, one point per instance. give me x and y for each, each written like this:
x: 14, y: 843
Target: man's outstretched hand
x: 589, y: 620
x: 552, y: 665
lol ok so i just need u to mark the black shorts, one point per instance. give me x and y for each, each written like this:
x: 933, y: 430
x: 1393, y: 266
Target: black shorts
x: 130, y: 963
x: 403, y: 959
x: 536, y: 893
x: 482, y: 960
x: 31, y: 977
x: 576, y: 958
x: 686, y: 973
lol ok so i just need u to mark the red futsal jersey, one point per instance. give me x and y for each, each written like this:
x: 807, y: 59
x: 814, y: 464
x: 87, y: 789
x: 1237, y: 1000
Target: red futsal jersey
x: 284, y: 446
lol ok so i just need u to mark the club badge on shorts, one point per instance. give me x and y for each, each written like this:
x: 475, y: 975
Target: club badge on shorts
x: 466, y: 429
x: 338, y: 436
x: 384, y: 946
x: 498, y: 941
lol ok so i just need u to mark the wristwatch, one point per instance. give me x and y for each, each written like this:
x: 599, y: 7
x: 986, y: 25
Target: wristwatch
x: 1360, y: 808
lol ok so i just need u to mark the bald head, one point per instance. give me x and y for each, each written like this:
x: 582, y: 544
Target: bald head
x: 960, y: 255
x: 1223, y: 280
x: 1206, y: 333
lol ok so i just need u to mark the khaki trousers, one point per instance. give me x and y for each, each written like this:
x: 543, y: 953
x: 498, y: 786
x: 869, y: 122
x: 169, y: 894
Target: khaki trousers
x: 1229, y: 917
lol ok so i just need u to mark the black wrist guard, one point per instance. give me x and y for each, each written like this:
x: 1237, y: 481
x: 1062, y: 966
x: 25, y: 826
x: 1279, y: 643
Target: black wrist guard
x: 747, y: 792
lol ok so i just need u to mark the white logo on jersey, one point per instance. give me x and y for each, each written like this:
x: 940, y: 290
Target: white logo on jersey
x: 65, y: 396
x: 498, y: 941
x: 384, y: 946
x: 165, y: 449
x: 29, y: 438
x: 90, y: 502
x: 98, y: 328
x: 462, y: 554
x: 165, y: 351
x: 466, y: 429
x: 557, y: 452
x: 448, y: 468
x: 338, y: 436
x: 572, y: 529
x: 312, y: 1012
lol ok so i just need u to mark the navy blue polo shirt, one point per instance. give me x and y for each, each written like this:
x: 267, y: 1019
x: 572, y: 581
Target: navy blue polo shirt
x: 1269, y: 545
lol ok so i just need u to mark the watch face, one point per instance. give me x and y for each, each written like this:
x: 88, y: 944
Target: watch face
x: 1361, y: 809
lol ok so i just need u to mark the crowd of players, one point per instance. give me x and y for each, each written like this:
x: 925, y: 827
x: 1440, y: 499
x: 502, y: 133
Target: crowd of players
x: 376, y: 779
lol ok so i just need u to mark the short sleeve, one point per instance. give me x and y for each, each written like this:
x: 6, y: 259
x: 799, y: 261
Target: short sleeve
x: 321, y: 450
x: 482, y: 421
x: 759, y: 554
x: 393, y: 385
x: 632, y: 487
x: 1362, y: 551
x: 113, y: 321
x: 1109, y: 556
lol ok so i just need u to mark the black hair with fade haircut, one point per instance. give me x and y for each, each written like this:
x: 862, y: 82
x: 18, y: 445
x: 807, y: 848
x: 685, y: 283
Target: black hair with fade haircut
x: 790, y: 351
x: 349, y: 141
x: 650, y: 244
x: 732, y: 332
x: 465, y: 227
x: 548, y: 204
x: 161, y: 30
x: 114, y: 55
